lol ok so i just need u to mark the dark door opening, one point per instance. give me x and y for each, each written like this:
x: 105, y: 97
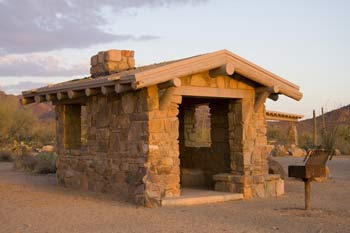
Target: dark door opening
x: 203, y: 141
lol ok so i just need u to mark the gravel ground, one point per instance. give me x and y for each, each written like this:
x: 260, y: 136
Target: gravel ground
x: 34, y: 203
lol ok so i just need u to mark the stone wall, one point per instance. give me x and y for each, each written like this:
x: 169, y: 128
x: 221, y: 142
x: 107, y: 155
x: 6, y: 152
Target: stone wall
x: 249, y: 150
x: 163, y: 164
x: 117, y: 146
x: 133, y: 146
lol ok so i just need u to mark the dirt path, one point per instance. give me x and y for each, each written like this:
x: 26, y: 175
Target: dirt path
x: 30, y: 203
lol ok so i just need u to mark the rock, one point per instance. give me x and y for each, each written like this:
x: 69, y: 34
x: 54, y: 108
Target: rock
x: 276, y: 168
x: 44, y: 166
x: 324, y: 178
x: 296, y: 151
x: 279, y: 151
x: 337, y: 152
x: 47, y: 148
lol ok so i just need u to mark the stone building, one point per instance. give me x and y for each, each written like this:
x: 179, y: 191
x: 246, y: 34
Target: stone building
x: 130, y: 130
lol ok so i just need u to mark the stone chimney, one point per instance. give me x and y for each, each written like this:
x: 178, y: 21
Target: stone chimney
x: 111, y: 61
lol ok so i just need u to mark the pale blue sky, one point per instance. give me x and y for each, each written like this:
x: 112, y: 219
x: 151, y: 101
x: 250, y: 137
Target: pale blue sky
x: 305, y: 42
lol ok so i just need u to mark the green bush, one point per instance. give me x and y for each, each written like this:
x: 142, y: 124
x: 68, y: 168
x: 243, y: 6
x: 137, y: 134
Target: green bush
x: 276, y: 134
x: 47, y: 156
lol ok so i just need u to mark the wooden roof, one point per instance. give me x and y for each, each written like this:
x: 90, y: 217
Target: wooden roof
x: 282, y: 116
x: 160, y: 73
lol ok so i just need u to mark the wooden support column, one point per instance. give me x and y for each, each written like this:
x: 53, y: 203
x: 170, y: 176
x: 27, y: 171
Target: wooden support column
x: 165, y: 100
x: 262, y: 93
x: 170, y: 86
x: 307, y: 183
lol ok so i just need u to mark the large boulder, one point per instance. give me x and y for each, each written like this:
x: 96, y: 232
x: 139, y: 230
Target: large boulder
x: 296, y: 151
x: 276, y: 168
x: 337, y: 152
x: 324, y: 178
x: 47, y: 148
x: 279, y: 151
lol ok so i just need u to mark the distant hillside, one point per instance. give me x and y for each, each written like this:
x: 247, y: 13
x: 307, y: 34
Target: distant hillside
x: 340, y: 116
x: 43, y: 111
x: 338, y: 119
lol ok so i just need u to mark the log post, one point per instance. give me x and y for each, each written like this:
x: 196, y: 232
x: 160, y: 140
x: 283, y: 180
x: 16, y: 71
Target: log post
x: 307, y: 183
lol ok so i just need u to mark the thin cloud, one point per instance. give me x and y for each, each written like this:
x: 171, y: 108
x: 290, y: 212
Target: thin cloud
x: 28, y: 26
x: 20, y: 86
x: 39, y: 65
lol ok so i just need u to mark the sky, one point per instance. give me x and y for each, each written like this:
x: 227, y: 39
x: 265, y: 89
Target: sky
x: 305, y: 42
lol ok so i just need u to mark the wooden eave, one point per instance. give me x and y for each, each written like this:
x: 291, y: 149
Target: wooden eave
x: 137, y: 79
x: 282, y: 116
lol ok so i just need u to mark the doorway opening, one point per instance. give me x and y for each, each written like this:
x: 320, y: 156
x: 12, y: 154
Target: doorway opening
x: 203, y: 141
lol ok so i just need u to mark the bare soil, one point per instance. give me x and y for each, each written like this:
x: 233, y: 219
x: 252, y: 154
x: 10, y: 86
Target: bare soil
x: 34, y: 203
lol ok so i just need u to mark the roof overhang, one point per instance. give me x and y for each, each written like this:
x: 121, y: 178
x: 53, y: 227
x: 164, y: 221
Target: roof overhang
x: 130, y: 80
x: 282, y: 116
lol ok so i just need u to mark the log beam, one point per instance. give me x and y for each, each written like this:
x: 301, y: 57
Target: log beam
x: 227, y: 69
x: 27, y: 100
x: 92, y: 91
x: 39, y: 98
x: 75, y: 94
x: 176, y: 82
x: 62, y: 95
x: 51, y: 97
x: 107, y: 90
x: 119, y: 88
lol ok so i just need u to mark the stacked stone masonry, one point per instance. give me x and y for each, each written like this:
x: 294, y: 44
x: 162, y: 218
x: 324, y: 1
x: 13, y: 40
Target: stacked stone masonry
x: 111, y: 61
x: 135, y: 149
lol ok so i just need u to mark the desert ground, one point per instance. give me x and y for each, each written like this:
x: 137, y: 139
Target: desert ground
x: 34, y: 203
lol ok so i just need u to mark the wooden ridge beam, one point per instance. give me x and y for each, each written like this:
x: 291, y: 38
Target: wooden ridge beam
x: 176, y: 82
x: 227, y: 69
